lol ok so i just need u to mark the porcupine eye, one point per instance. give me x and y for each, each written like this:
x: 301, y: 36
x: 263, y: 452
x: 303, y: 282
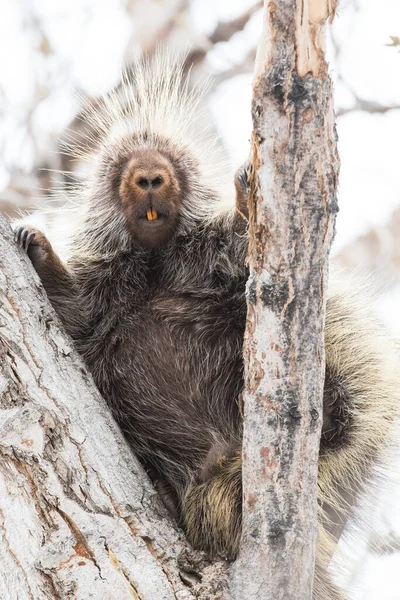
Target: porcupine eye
x: 113, y: 171
x: 150, y: 196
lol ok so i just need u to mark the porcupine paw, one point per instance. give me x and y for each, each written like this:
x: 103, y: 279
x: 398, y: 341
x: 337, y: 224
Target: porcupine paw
x: 242, y: 186
x: 34, y: 243
x: 242, y: 175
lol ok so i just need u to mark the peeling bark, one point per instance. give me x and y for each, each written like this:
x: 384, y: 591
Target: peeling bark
x: 292, y: 214
x: 78, y: 517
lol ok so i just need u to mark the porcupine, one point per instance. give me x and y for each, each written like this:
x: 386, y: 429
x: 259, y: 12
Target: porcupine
x: 153, y: 295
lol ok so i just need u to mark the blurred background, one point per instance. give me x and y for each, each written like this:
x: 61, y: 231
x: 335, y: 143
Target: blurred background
x: 51, y: 49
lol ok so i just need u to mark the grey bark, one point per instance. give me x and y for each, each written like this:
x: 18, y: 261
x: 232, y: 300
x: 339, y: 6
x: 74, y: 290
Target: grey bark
x: 78, y: 517
x: 292, y: 213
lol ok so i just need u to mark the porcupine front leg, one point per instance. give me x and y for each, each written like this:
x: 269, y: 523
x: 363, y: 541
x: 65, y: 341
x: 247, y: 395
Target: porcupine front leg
x: 55, y: 277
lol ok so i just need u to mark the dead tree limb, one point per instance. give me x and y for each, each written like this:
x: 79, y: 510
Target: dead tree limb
x: 292, y: 215
x: 225, y: 30
x: 377, y: 251
x: 368, y: 106
x: 78, y: 516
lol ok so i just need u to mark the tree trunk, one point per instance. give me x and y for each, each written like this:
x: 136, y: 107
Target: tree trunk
x: 78, y: 516
x: 292, y: 214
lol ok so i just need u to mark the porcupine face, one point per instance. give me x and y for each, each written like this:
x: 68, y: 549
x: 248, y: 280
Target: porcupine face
x: 150, y: 196
x: 155, y: 175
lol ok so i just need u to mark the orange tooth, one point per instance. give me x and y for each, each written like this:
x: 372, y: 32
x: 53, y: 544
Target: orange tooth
x: 152, y: 214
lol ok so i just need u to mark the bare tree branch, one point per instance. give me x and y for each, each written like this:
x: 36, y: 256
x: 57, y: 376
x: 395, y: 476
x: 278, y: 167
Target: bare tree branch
x: 369, y: 106
x: 395, y: 41
x: 226, y: 29
x: 245, y: 66
x: 153, y: 22
x: 223, y: 32
x: 378, y: 250
x: 294, y: 183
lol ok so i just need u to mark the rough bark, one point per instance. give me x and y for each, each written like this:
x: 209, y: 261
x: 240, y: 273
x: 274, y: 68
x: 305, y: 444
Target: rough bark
x: 78, y: 516
x: 292, y: 213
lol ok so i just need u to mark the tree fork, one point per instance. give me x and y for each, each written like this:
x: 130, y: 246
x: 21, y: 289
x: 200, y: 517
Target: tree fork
x: 79, y: 518
x: 292, y: 215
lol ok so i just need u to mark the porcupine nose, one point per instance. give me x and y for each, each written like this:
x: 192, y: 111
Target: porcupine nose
x: 150, y: 182
x: 150, y: 197
x: 149, y: 187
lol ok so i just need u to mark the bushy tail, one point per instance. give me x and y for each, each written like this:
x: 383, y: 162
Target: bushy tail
x: 212, y: 513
